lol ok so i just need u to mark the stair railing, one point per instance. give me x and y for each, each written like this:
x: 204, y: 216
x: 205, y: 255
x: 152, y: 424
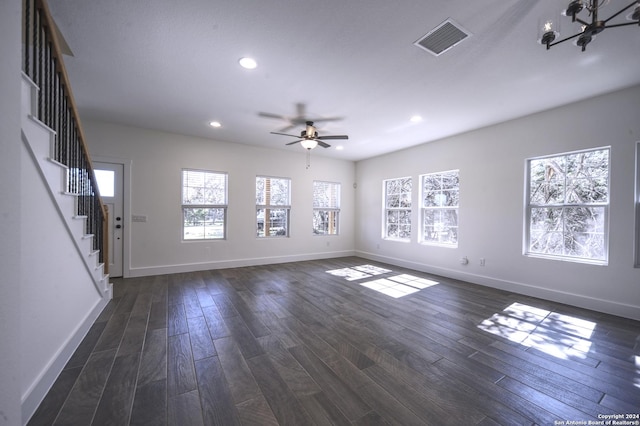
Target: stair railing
x: 56, y: 107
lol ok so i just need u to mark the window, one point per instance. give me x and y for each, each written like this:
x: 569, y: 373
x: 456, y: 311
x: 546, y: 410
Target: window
x: 106, y: 182
x: 568, y: 206
x: 439, y: 208
x: 273, y: 204
x: 397, y: 208
x: 326, y: 207
x: 204, y: 205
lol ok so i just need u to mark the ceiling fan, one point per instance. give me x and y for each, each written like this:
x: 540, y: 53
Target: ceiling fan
x: 299, y: 119
x: 309, y: 138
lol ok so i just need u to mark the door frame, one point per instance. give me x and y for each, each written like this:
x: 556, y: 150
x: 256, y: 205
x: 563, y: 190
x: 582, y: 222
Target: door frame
x: 126, y: 206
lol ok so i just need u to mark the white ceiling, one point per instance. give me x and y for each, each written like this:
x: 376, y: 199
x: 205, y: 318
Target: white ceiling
x: 173, y: 66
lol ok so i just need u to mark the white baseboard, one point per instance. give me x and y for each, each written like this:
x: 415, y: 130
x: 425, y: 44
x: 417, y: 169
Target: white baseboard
x: 586, y: 302
x: 38, y: 390
x: 234, y: 263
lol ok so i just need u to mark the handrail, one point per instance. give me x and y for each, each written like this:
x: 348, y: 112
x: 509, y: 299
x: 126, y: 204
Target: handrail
x: 44, y: 64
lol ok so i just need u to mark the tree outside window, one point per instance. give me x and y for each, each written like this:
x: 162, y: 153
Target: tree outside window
x: 204, y: 205
x: 568, y: 206
x: 397, y: 207
x: 273, y: 206
x: 326, y: 208
x: 440, y: 197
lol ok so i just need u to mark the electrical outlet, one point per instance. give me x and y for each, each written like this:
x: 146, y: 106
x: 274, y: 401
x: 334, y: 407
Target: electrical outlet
x: 482, y: 261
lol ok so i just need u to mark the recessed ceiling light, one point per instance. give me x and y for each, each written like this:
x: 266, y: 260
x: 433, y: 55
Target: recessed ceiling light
x: 339, y: 147
x: 215, y: 124
x: 415, y: 119
x: 248, y: 63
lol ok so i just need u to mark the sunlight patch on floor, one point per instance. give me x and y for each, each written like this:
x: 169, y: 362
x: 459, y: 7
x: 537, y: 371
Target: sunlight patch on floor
x: 559, y: 335
x: 395, y: 286
x: 358, y: 272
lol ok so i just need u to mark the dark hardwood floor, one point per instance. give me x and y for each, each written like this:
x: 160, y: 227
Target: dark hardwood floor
x: 292, y: 344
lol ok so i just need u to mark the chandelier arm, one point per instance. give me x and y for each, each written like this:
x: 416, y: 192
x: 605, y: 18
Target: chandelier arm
x: 623, y: 25
x: 583, y: 22
x: 618, y: 13
x: 564, y: 39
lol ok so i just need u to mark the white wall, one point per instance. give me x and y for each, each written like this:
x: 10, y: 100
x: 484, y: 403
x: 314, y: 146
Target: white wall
x: 58, y: 299
x: 157, y: 159
x: 10, y: 208
x: 491, y: 163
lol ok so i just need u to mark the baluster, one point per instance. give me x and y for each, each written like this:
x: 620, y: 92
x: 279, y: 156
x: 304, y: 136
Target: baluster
x: 27, y: 28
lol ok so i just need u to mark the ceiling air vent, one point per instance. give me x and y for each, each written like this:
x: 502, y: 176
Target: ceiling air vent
x: 443, y: 37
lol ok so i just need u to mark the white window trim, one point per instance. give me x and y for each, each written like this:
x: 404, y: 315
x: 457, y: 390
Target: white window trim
x: 527, y: 213
x: 330, y: 209
x: 224, y: 207
x: 423, y: 209
x: 385, y: 210
x: 286, y: 207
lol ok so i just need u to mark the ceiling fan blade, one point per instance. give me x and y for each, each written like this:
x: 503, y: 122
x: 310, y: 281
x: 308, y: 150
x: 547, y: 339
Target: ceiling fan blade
x: 269, y: 115
x: 291, y: 143
x: 318, y: 120
x: 287, y: 128
x: 333, y: 137
x: 323, y: 144
x: 285, y: 134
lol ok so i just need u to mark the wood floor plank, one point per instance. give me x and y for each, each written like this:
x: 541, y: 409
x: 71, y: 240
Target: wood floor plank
x: 185, y: 409
x: 256, y: 412
x: 241, y: 382
x: 177, y: 319
x: 243, y: 337
x: 201, y: 343
x: 84, y: 398
x: 286, y: 408
x: 112, y: 334
x: 117, y: 399
x: 49, y: 408
x: 83, y: 352
x: 181, y: 375
x: 322, y: 411
x: 342, y: 394
x: 153, y: 366
x: 133, y: 337
x: 150, y: 404
x: 296, y: 377
x: 215, y: 396
x: 158, y: 315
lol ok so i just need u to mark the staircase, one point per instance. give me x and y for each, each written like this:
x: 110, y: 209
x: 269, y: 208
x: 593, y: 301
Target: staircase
x: 40, y: 142
x: 64, y: 286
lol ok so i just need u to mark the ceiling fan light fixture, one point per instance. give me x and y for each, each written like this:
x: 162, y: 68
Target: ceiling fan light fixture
x: 309, y: 143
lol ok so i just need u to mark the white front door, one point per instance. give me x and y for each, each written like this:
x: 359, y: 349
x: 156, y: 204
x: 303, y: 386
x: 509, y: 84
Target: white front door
x: 111, y: 187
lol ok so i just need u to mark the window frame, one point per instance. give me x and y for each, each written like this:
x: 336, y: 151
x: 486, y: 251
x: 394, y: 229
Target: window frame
x: 268, y: 207
x: 386, y: 209
x: 332, y: 211
x: 424, y: 209
x: 191, y: 206
x: 528, y: 207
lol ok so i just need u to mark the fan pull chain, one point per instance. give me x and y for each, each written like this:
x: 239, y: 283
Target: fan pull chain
x: 308, y: 158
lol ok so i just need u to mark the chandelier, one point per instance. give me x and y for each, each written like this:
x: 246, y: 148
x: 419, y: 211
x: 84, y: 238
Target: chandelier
x: 549, y: 30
